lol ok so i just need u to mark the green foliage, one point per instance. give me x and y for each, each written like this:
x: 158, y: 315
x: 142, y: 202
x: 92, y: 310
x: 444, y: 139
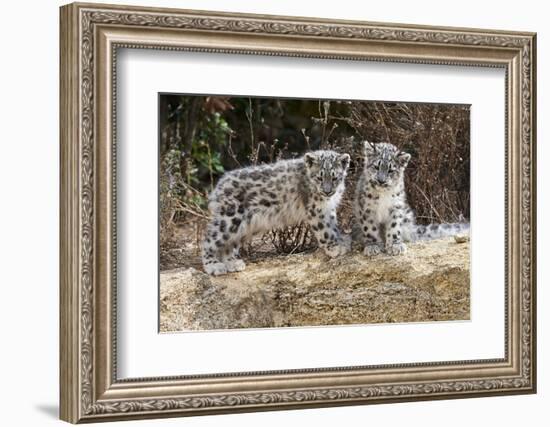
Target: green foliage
x: 207, y: 147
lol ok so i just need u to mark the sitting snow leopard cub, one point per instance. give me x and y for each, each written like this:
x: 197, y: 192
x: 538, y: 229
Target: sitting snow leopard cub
x: 383, y: 219
x: 257, y: 199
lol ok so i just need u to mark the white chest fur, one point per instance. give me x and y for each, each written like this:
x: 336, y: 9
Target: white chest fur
x: 384, y: 205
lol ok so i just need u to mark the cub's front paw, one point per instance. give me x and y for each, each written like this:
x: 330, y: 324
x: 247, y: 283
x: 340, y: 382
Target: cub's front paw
x: 336, y: 250
x: 396, y: 249
x: 216, y: 269
x: 235, y: 265
x: 372, y: 249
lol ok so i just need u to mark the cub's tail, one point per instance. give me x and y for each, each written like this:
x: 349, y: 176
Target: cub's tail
x: 437, y: 231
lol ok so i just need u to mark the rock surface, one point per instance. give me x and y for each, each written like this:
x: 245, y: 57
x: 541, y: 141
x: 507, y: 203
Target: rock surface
x: 431, y: 281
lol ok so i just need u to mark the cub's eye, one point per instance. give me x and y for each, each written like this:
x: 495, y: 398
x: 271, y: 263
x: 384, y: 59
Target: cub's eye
x: 319, y: 178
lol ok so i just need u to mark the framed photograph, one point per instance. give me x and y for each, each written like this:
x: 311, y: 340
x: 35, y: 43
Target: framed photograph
x: 267, y: 212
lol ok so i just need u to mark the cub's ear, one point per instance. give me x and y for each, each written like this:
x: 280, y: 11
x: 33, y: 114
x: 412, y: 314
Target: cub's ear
x: 344, y: 159
x: 310, y: 159
x: 369, y: 148
x: 403, y: 158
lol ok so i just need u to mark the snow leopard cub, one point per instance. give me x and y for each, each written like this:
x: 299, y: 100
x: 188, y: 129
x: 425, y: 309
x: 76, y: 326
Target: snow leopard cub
x: 383, y: 219
x: 257, y: 199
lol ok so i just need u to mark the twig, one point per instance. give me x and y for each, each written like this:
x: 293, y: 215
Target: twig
x: 428, y: 200
x: 249, y: 113
x: 231, y: 152
x: 210, y: 166
x: 183, y: 207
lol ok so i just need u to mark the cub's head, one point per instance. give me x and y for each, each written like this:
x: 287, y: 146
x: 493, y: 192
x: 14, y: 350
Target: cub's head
x: 384, y: 164
x: 326, y: 170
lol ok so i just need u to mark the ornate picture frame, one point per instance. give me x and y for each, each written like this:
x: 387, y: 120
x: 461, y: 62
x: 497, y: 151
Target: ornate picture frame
x: 90, y: 37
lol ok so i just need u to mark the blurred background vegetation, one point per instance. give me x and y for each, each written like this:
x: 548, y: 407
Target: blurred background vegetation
x: 201, y: 137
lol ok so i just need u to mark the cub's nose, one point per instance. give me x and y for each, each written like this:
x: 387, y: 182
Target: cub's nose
x: 327, y: 189
x: 381, y: 178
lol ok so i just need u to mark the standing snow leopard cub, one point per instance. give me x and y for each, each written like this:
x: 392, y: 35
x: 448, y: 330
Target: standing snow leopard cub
x: 383, y: 219
x: 257, y: 199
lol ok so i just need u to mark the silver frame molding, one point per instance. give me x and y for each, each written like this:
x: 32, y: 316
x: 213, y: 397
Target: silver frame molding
x: 90, y: 37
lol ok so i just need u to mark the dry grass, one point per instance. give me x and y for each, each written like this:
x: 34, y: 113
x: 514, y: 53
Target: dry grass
x: 438, y: 138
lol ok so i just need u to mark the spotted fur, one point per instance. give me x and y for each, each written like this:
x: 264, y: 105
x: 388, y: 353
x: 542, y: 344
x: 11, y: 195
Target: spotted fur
x: 383, y: 220
x: 257, y: 199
